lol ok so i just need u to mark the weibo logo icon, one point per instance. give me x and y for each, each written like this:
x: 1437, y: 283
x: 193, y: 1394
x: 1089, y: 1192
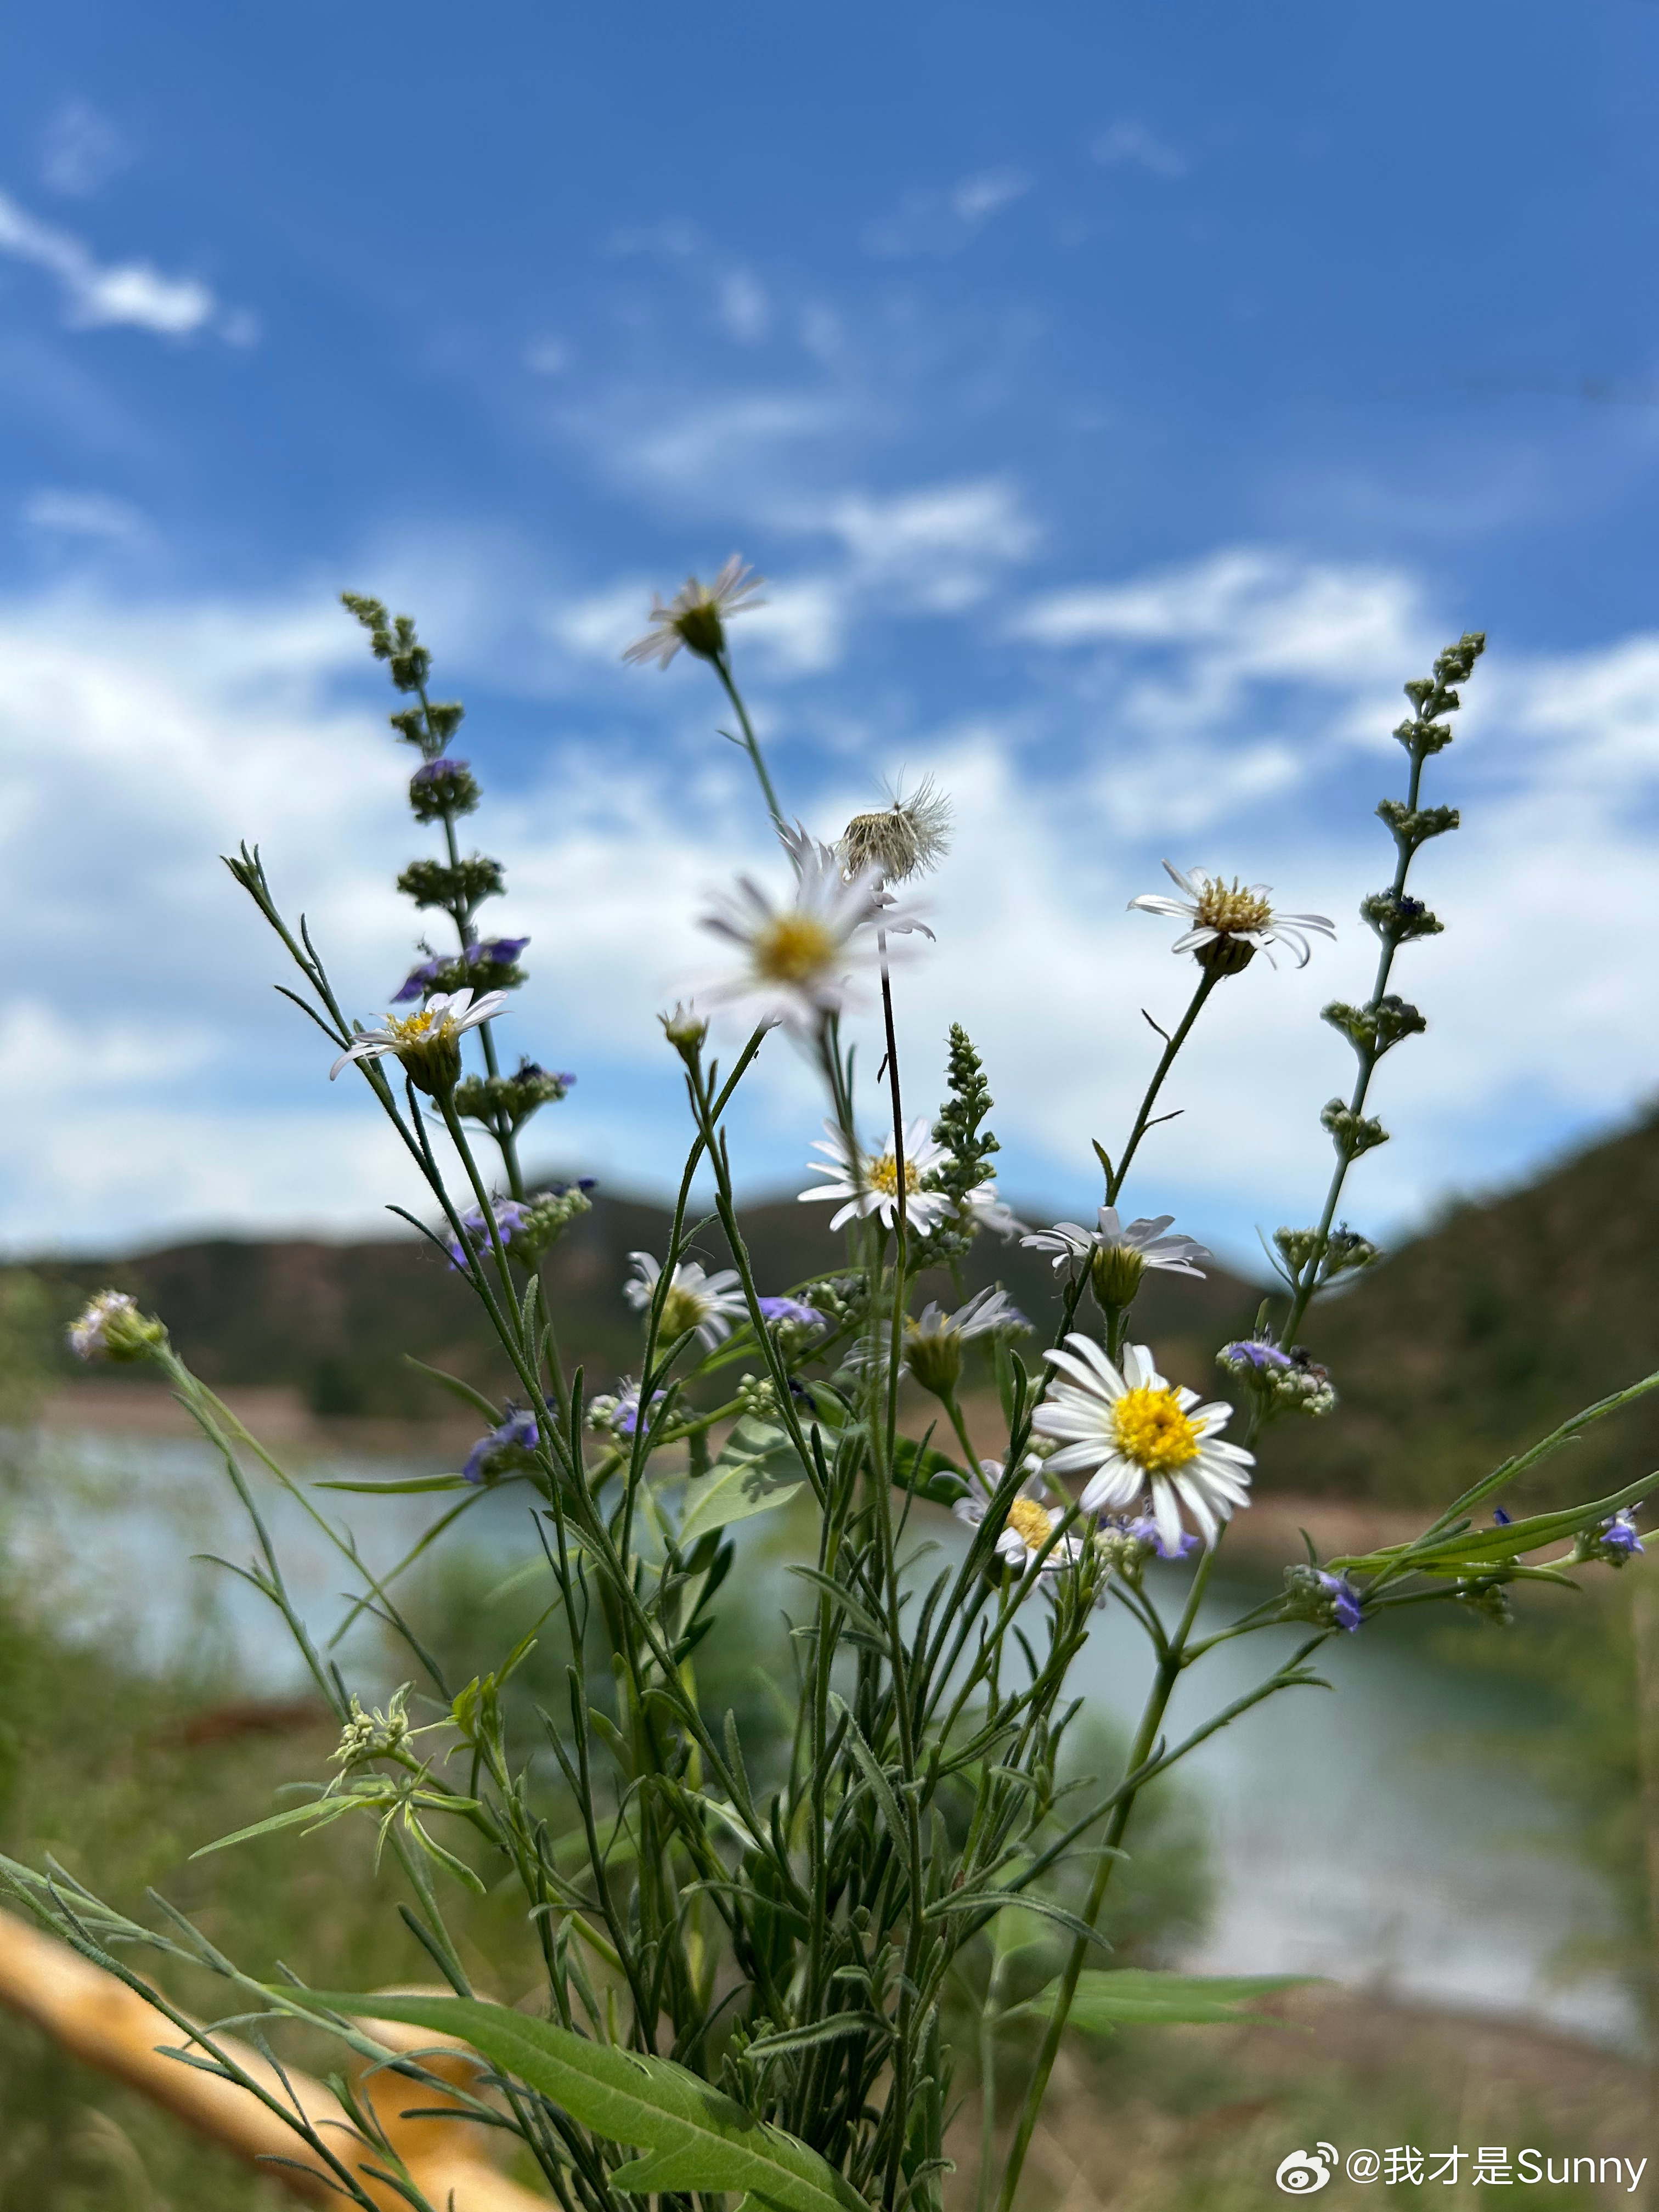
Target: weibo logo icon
x: 1306, y: 2172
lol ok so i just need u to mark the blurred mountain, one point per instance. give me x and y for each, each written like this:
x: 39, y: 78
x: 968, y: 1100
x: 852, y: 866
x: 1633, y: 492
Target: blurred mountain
x: 334, y: 1321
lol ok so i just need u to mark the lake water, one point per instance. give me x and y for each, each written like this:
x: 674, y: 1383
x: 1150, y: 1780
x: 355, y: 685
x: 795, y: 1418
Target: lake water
x: 1378, y: 1836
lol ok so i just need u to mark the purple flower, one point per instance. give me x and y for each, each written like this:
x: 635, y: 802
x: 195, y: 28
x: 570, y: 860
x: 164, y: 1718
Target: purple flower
x: 1619, y: 1534
x: 1253, y: 1351
x: 510, y: 1215
x: 510, y: 1445
x: 495, y: 951
x: 1499, y: 1518
x: 1145, y: 1530
x: 422, y: 980
x: 778, y: 1311
x: 1344, y: 1600
x: 429, y: 771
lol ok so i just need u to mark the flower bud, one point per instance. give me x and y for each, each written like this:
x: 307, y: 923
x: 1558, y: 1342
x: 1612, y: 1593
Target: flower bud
x: 111, y: 1328
x: 1115, y: 1273
x: 934, y: 1357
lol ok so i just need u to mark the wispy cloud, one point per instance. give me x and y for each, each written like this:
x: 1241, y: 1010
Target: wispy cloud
x: 91, y: 514
x: 943, y: 222
x: 745, y: 308
x: 99, y: 294
x: 80, y: 149
x: 1127, y: 143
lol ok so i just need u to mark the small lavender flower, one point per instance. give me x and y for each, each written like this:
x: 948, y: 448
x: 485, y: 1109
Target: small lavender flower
x: 511, y: 1445
x: 1145, y: 1530
x: 433, y: 771
x: 620, y: 1413
x: 1326, y: 1599
x: 495, y: 951
x: 790, y: 1313
x: 420, y: 980
x: 1612, y: 1544
x: 511, y: 1214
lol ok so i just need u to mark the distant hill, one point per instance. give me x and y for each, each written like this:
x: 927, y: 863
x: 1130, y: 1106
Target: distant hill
x: 1479, y: 1337
x: 334, y: 1321
x: 1466, y: 1344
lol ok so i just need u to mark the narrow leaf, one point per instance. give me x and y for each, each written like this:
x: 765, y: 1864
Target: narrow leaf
x: 1131, y: 1996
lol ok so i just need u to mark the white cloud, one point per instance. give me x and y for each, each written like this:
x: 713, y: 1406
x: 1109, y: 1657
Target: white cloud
x: 100, y: 295
x: 80, y: 149
x: 83, y: 514
x: 745, y: 308
x: 1129, y: 143
x: 157, y: 1086
x: 944, y: 222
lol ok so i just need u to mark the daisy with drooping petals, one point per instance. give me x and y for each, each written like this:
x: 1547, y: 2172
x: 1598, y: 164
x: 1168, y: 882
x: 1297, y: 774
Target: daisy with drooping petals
x: 1131, y: 1431
x: 1145, y: 1239
x: 697, y: 615
x: 708, y: 1304
x: 801, y: 955
x: 428, y: 1044
x: 1030, y: 1521
x: 868, y: 1182
x: 1231, y: 922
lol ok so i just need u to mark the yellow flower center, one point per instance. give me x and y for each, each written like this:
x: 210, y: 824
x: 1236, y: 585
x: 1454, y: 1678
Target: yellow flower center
x: 414, y: 1029
x: 1232, y: 910
x: 681, y: 1309
x: 882, y: 1173
x: 793, y: 948
x: 1032, y: 1523
x: 1152, y: 1431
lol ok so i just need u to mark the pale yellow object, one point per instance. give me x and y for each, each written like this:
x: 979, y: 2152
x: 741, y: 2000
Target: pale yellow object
x: 101, y: 2021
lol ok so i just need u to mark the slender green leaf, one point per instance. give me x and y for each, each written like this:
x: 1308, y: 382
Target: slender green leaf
x: 409, y: 1482
x: 1487, y: 1548
x: 874, y: 1775
x: 1132, y: 1996
x: 694, y: 2137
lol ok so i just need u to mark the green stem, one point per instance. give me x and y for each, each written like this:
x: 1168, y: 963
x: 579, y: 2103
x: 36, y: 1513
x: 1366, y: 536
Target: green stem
x: 1208, y: 978
x: 722, y: 668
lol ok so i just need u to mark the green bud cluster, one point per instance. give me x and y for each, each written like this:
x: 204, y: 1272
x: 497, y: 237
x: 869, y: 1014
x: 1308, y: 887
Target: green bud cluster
x: 1490, y: 1600
x: 757, y: 1394
x: 546, y: 1218
x: 1414, y: 825
x: 1376, y: 1029
x: 435, y: 798
x: 1352, y: 1134
x: 486, y: 1097
x: 1397, y: 919
x: 959, y: 1126
x: 460, y: 889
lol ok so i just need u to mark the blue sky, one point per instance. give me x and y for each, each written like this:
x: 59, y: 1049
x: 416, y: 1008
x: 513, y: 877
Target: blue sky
x: 1121, y: 403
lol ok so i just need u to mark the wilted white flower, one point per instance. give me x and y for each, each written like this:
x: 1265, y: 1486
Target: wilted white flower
x: 110, y: 1326
x: 708, y: 1304
x: 428, y: 1044
x: 1133, y: 1430
x: 1231, y: 922
x: 934, y: 1339
x: 906, y: 837
x: 1030, y: 1521
x: 801, y: 957
x: 696, y: 614
x: 868, y: 1182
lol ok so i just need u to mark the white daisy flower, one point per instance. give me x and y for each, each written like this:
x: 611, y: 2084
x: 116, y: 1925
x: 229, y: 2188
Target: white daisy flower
x: 709, y: 1303
x: 1145, y: 1239
x: 1030, y: 1521
x: 1230, y: 923
x: 697, y: 615
x: 868, y: 1182
x: 1133, y: 1429
x: 801, y: 957
x: 427, y: 1044
x: 906, y: 837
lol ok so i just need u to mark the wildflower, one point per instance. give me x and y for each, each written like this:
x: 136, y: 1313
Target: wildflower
x: 620, y: 1412
x: 1280, y: 1381
x: 800, y: 958
x: 1126, y: 1541
x: 510, y: 1215
x: 518, y: 1096
x: 372, y: 1735
x: 1133, y: 1430
x: 1327, y: 1601
x: 1030, y: 1522
x: 110, y: 1326
x: 443, y: 786
x: 934, y: 1341
x: 708, y: 1304
x: 695, y: 616
x: 685, y: 1028
x: 790, y: 1313
x: 498, y: 954
x: 906, y: 837
x: 1612, y: 1543
x: 1118, y: 1257
x: 426, y: 1045
x: 1230, y: 923
x: 868, y: 1182
x: 511, y: 1446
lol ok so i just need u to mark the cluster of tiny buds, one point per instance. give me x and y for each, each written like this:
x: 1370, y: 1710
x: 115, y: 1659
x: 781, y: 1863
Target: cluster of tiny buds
x: 757, y: 1397
x: 482, y: 1097
x: 1123, y: 1543
x: 372, y: 1735
x: 526, y: 1226
x: 443, y: 786
x: 1490, y: 1599
x: 1326, y: 1600
x: 1281, y: 1381
x: 1339, y: 1251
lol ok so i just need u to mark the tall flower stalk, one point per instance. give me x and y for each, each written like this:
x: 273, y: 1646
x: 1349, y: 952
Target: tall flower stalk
x: 743, y: 1984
